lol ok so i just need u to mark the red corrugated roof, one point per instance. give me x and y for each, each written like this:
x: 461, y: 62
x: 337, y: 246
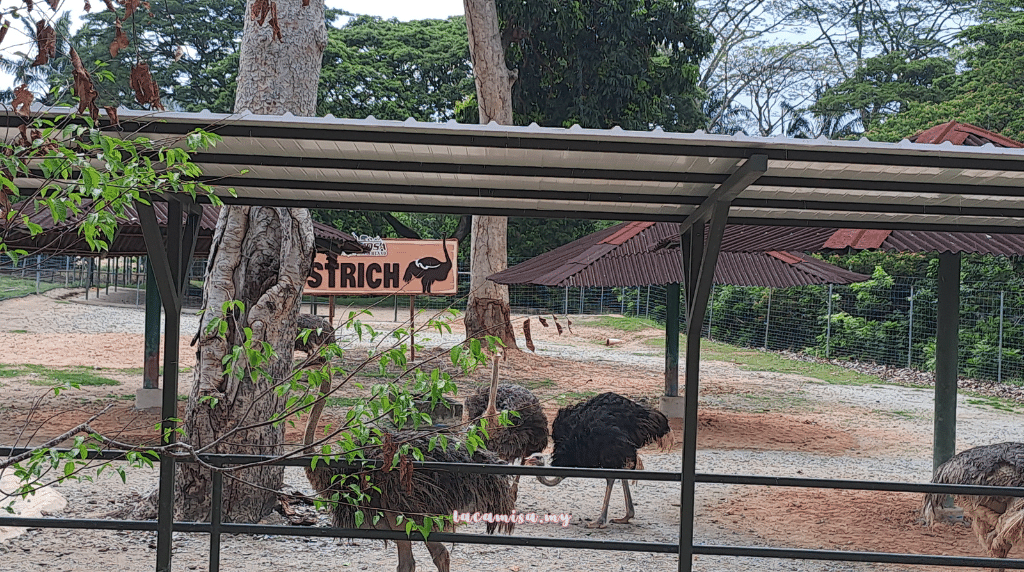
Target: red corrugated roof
x: 637, y: 261
x: 859, y: 239
x: 963, y: 134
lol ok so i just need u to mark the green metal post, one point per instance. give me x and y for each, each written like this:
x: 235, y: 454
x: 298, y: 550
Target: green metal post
x: 672, y: 340
x: 151, y: 363
x: 947, y: 323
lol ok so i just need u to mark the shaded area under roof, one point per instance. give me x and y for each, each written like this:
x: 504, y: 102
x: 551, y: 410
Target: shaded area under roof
x: 626, y: 255
x: 63, y: 237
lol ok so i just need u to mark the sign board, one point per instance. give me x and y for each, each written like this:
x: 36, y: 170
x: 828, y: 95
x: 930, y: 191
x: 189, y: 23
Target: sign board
x: 393, y: 266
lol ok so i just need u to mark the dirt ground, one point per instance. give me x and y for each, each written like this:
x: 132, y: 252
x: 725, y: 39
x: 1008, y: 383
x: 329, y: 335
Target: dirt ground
x: 741, y: 413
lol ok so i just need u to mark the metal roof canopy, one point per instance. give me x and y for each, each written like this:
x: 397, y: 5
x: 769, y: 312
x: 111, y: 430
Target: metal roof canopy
x: 326, y: 162
x: 577, y: 173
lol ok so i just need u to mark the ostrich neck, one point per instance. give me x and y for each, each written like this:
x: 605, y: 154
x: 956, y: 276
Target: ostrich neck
x: 491, y: 414
x: 314, y: 413
x: 550, y: 481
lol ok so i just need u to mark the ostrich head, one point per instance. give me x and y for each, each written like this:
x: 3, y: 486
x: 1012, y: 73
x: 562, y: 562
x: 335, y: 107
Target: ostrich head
x: 538, y: 460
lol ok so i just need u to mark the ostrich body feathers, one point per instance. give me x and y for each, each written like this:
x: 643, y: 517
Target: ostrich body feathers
x: 528, y: 433
x: 433, y: 492
x: 604, y: 432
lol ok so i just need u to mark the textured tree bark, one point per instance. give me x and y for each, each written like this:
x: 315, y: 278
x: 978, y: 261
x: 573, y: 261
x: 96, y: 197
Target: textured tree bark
x: 260, y: 256
x: 487, y: 310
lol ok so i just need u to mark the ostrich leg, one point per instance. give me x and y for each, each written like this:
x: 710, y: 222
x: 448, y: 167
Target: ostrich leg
x: 602, y: 521
x: 440, y: 555
x: 630, y: 513
x: 406, y: 563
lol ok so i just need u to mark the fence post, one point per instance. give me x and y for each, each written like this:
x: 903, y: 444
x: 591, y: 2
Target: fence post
x: 828, y: 324
x: 767, y: 319
x: 67, y: 269
x: 711, y: 309
x: 999, y: 371
x: 565, y: 310
x: 647, y: 313
x: 582, y: 289
x: 601, y: 303
x: 910, y: 331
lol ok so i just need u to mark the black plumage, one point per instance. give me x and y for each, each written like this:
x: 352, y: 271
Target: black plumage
x: 528, y: 433
x: 605, y: 432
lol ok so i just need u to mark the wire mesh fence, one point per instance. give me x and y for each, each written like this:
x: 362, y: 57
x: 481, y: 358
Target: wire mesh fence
x: 888, y: 322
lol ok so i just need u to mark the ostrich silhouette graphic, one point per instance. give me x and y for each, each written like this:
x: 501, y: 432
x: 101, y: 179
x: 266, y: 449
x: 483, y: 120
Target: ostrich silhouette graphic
x: 429, y: 269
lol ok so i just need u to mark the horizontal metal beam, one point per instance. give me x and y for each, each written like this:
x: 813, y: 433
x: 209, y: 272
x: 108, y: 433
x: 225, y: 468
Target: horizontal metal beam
x: 738, y: 181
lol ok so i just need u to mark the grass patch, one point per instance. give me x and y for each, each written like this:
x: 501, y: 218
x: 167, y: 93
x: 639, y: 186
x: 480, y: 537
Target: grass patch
x: 122, y: 397
x: 625, y: 324
x: 8, y: 371
x: 570, y: 397
x: 17, y: 331
x: 49, y: 376
x: 995, y: 403
x: 537, y: 383
x: 756, y: 360
x: 11, y: 287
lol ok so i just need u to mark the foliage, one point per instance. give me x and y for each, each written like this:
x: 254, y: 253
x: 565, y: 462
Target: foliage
x: 396, y: 70
x: 191, y: 60
x: 601, y: 64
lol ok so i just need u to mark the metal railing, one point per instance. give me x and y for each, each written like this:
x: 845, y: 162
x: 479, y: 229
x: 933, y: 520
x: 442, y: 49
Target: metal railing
x: 216, y: 528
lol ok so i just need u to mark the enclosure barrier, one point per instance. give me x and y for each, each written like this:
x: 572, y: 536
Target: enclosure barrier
x: 216, y: 528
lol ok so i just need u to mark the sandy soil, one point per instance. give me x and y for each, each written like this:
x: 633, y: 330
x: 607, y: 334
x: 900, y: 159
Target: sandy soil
x: 750, y: 423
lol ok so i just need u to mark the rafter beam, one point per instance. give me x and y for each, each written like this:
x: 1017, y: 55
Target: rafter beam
x: 741, y: 178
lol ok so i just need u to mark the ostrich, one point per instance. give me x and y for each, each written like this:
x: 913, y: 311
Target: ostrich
x: 429, y: 269
x: 604, y: 432
x: 394, y: 492
x: 997, y: 521
x: 528, y: 433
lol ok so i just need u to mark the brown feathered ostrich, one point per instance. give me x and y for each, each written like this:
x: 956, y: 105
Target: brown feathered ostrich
x: 604, y: 432
x: 528, y: 433
x: 427, y: 492
x: 997, y: 521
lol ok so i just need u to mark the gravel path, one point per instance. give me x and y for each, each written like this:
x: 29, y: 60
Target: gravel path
x: 905, y: 413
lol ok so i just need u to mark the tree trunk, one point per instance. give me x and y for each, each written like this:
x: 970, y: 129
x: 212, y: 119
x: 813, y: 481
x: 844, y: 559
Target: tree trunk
x: 487, y: 310
x: 260, y: 256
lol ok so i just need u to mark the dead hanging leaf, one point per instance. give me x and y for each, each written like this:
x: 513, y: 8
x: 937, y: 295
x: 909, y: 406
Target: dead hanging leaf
x: 83, y: 87
x: 263, y: 8
x: 388, y: 449
x: 28, y: 4
x: 557, y: 325
x: 110, y: 6
x: 3, y: 30
x: 88, y: 6
x: 129, y: 7
x: 405, y: 473
x: 569, y: 322
x: 112, y: 114
x: 22, y: 103
x: 305, y: 3
x: 178, y: 52
x: 54, y: 4
x: 46, y: 40
x: 146, y: 89
x: 26, y: 137
x: 543, y: 322
x: 120, y: 39
x: 529, y: 338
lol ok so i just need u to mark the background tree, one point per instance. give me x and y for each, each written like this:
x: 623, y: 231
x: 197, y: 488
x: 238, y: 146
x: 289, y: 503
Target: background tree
x: 985, y: 89
x: 396, y: 70
x: 260, y: 256
x: 600, y: 64
x: 191, y: 47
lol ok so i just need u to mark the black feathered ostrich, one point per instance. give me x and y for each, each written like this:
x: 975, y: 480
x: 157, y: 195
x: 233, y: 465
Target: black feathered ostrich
x: 604, y: 432
x: 423, y: 491
x: 528, y: 433
x: 429, y: 269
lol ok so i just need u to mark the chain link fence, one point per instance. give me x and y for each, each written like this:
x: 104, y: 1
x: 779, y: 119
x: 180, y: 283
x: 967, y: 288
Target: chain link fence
x: 889, y: 322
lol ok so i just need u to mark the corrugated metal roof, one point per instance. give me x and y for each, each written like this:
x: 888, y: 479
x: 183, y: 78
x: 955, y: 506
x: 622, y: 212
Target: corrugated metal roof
x: 636, y: 261
x: 62, y: 238
x: 326, y: 162
x: 858, y: 239
x: 964, y: 134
